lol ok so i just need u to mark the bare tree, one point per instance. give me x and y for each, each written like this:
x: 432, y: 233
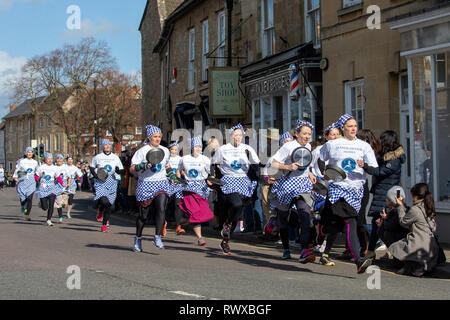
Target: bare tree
x: 65, y: 77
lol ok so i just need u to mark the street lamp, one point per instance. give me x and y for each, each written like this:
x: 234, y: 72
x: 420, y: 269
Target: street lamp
x: 229, y: 5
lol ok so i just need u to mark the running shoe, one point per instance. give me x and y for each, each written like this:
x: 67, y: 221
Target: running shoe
x: 225, y: 233
x: 326, y: 261
x: 201, y: 242
x: 104, y: 229
x: 286, y: 255
x: 137, y: 244
x: 179, y: 231
x: 60, y: 220
x: 164, y: 230
x: 49, y: 223
x: 225, y: 247
x: 346, y: 255
x: 158, y: 242
x: 306, y: 256
x: 100, y: 216
x: 362, y: 265
x: 69, y: 216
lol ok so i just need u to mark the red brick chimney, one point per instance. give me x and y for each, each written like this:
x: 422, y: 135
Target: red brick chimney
x: 11, y: 108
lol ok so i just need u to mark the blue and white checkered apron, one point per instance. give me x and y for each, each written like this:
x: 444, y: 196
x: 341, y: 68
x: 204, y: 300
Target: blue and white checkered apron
x: 52, y: 187
x: 353, y: 196
x: 200, y: 187
x: 147, y: 190
x: 286, y: 188
x: 242, y: 185
x: 25, y: 187
x: 107, y: 188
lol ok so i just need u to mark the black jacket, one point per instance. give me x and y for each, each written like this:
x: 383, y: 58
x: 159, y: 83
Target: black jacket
x: 391, y: 230
x: 386, y: 176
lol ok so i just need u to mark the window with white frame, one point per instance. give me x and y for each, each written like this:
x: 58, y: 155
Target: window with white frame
x: 355, y: 101
x: 191, y: 64
x: 349, y: 3
x: 138, y: 130
x: 41, y: 122
x: 268, y: 30
x: 312, y: 20
x: 10, y: 146
x: 56, y: 142
x: 221, y: 39
x: 205, y: 50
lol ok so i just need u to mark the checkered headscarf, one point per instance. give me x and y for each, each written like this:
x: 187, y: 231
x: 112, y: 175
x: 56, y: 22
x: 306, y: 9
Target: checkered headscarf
x: 331, y: 127
x: 238, y: 126
x: 59, y: 156
x: 28, y: 149
x: 48, y: 155
x: 196, y: 142
x: 151, y: 130
x: 173, y: 144
x: 284, y: 136
x: 301, y: 123
x: 104, y: 142
x: 343, y: 119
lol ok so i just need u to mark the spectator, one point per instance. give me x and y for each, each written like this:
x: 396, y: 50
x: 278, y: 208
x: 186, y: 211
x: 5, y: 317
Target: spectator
x: 419, y: 250
x: 388, y: 174
x: 389, y: 228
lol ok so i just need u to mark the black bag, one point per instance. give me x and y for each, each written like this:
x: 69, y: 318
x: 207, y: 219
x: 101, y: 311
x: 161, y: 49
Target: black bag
x: 441, y: 255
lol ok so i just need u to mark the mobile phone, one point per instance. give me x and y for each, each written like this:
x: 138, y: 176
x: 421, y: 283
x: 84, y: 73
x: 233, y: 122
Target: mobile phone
x: 398, y: 193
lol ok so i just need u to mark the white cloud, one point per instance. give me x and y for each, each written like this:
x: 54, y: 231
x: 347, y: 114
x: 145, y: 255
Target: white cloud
x: 6, y: 5
x: 89, y: 28
x: 10, y: 68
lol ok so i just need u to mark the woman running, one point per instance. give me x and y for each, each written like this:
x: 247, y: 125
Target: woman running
x: 294, y: 183
x: 174, y: 201
x: 106, y: 191
x: 234, y: 165
x: 344, y: 197
x: 195, y: 195
x: 51, y: 184
x: 25, y: 181
x: 153, y: 190
x: 59, y: 200
x: 72, y: 172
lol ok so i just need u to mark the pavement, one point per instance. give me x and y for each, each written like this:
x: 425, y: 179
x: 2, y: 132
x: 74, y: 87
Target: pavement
x: 39, y: 262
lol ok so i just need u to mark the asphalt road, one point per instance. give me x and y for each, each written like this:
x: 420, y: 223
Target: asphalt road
x: 35, y: 259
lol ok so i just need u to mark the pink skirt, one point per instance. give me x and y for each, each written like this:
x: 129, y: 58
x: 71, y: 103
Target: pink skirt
x: 196, y: 208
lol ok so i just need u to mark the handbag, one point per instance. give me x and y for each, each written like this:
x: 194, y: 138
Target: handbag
x: 441, y: 255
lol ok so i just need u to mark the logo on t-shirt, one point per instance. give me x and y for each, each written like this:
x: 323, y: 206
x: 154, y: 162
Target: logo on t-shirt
x: 29, y: 170
x: 156, y: 168
x: 348, y: 164
x: 108, y: 168
x: 235, y: 165
x: 193, y: 173
x: 47, y: 177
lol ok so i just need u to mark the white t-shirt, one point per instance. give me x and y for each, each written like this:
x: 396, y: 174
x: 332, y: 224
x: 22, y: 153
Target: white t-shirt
x: 283, y: 156
x: 315, y: 164
x: 344, y: 153
x: 108, y: 162
x: 49, y: 173
x: 174, y: 162
x: 73, y: 171
x: 26, y: 165
x: 2, y: 174
x: 195, y: 168
x: 233, y: 160
x: 157, y: 172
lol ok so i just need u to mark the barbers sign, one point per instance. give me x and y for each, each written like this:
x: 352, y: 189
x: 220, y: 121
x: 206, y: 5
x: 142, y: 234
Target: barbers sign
x: 225, y: 98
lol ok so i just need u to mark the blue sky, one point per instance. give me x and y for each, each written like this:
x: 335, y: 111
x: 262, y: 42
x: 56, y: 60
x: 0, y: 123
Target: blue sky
x: 34, y: 27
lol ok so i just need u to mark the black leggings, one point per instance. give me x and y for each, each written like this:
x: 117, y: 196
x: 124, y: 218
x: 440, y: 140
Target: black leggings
x: 106, y: 207
x: 295, y: 218
x: 233, y: 208
x: 47, y: 204
x: 338, y: 222
x: 70, y: 201
x: 158, y: 209
x: 28, y: 202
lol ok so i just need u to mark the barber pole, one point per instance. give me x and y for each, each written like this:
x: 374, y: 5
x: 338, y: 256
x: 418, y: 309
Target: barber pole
x: 294, y: 89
